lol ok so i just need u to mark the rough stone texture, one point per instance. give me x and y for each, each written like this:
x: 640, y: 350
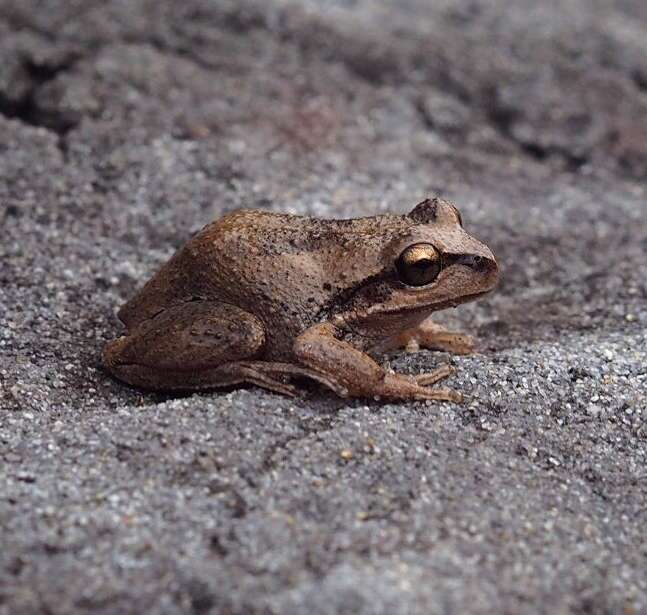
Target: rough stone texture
x: 126, y: 125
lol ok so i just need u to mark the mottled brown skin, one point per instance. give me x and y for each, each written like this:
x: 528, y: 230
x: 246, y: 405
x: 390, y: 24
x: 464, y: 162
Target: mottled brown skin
x: 258, y: 297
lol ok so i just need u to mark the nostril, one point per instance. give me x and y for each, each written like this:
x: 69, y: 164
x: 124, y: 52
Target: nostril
x: 480, y: 263
x: 474, y: 261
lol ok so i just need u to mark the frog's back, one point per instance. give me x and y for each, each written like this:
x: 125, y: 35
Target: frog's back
x: 257, y: 260
x: 210, y: 264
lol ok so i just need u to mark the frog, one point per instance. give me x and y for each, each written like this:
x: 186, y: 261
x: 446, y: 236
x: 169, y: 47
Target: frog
x: 274, y: 299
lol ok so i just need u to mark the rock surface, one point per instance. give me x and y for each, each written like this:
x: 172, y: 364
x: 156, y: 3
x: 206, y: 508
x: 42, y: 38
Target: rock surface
x: 127, y: 125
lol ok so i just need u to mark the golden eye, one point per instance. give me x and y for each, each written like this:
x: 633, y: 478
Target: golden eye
x: 419, y: 264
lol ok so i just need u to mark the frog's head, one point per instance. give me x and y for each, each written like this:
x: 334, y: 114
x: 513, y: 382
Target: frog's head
x: 428, y: 264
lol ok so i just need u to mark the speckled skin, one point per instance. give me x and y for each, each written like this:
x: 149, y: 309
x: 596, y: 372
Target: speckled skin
x: 257, y: 297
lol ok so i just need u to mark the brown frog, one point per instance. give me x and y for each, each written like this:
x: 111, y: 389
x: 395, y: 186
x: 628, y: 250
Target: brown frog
x: 258, y: 297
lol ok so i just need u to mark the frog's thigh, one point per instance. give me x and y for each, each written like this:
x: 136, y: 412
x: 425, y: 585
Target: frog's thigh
x: 429, y: 334
x: 182, y: 347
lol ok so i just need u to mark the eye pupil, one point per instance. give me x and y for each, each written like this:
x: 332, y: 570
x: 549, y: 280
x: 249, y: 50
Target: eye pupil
x: 419, y: 265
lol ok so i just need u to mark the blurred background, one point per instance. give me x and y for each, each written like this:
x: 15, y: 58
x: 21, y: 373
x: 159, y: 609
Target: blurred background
x: 126, y: 125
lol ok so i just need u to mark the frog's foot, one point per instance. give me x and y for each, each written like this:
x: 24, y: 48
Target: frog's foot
x: 440, y: 373
x: 399, y: 386
x: 250, y: 372
x: 433, y: 336
x: 271, y: 369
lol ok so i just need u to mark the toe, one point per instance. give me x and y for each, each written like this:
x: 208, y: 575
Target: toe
x: 444, y: 371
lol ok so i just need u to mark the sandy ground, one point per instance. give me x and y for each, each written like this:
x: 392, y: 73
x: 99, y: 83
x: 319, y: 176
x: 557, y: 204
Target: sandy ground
x: 127, y: 125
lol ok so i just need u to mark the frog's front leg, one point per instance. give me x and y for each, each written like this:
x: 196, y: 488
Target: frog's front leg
x: 430, y: 335
x: 321, y: 349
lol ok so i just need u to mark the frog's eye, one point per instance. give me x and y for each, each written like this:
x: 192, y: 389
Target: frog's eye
x: 419, y: 264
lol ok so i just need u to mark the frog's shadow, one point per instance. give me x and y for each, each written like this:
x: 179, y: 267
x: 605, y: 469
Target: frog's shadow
x: 311, y: 395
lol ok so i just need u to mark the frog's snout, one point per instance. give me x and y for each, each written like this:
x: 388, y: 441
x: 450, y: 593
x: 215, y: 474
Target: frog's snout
x: 486, y: 265
x: 482, y: 262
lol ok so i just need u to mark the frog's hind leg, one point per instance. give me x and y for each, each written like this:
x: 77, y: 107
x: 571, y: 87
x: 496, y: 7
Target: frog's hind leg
x: 201, y: 345
x: 190, y: 346
x: 433, y: 336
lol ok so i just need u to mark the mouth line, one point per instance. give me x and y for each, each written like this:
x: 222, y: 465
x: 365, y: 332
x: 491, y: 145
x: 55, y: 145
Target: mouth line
x: 440, y: 306
x: 436, y: 308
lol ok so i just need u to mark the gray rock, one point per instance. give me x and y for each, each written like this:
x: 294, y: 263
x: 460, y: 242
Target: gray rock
x: 126, y: 126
